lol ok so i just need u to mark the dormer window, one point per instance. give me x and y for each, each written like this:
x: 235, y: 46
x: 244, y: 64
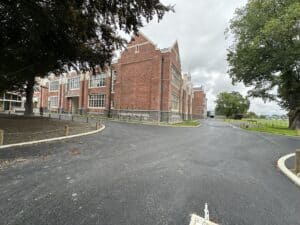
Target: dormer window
x: 137, y: 49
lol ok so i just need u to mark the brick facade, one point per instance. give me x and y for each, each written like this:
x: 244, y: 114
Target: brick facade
x: 199, y: 103
x: 145, y: 83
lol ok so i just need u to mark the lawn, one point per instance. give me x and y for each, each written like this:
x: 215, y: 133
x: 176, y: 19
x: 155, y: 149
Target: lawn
x: 264, y: 125
x: 188, y: 123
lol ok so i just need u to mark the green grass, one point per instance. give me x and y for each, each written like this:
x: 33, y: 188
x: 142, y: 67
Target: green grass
x: 188, y: 123
x: 275, y: 130
x: 263, y: 125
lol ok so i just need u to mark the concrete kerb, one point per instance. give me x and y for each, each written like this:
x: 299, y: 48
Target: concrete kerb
x: 53, y: 139
x: 281, y: 165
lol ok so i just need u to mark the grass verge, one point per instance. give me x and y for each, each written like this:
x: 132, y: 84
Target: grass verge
x: 275, y: 130
x: 188, y: 123
x: 266, y: 126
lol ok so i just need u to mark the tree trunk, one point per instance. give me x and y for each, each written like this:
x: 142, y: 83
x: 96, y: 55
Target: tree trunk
x: 294, y: 119
x: 29, y: 97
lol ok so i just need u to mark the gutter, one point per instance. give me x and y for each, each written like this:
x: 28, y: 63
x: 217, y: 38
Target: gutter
x: 161, y: 86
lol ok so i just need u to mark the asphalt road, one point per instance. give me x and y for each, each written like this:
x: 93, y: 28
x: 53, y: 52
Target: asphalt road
x: 147, y: 175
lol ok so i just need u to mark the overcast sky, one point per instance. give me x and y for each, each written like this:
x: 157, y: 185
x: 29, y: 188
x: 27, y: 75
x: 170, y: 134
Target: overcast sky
x: 199, y: 27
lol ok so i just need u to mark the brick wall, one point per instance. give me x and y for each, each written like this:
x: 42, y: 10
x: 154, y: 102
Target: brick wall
x: 138, y: 79
x: 199, y: 104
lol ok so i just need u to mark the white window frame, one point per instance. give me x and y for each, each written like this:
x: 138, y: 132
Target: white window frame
x: 98, y: 80
x: 51, y: 86
x: 97, y: 101
x: 50, y: 102
x: 72, y: 81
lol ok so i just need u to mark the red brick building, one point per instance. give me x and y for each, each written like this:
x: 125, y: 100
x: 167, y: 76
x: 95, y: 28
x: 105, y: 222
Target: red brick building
x: 146, y: 83
x: 149, y: 81
x: 74, y: 93
x: 199, y: 103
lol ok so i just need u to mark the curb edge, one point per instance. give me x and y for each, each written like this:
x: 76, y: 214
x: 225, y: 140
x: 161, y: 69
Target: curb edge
x: 286, y: 171
x: 52, y: 139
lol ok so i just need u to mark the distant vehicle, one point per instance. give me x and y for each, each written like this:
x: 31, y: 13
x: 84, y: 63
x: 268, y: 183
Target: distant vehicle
x: 210, y: 114
x: 238, y: 116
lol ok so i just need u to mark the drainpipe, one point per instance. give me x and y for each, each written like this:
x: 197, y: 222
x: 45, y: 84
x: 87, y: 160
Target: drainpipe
x: 110, y: 90
x: 60, y: 95
x: 161, y: 87
x: 81, y: 93
x: 41, y: 109
x: 41, y: 97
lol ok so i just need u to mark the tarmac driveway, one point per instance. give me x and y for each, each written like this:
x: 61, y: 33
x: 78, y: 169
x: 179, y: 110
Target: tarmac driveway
x: 144, y: 175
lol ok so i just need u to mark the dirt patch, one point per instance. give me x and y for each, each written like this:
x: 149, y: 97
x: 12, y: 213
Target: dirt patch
x: 74, y: 151
x: 11, y: 162
x: 21, y: 129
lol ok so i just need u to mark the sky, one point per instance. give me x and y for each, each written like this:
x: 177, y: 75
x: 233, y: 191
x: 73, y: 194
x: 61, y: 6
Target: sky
x: 199, y: 27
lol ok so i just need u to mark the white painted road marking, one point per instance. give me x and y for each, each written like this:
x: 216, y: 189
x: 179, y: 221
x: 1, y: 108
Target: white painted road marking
x: 206, y: 212
x: 197, y: 220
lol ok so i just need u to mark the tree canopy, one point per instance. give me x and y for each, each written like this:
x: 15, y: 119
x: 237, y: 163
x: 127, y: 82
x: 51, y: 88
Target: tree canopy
x: 38, y: 36
x: 231, y: 104
x: 251, y: 115
x: 266, y: 52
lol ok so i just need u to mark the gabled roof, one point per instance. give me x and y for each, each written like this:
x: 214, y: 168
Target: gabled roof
x: 141, y: 37
x: 169, y: 49
x: 198, y: 88
x: 175, y: 46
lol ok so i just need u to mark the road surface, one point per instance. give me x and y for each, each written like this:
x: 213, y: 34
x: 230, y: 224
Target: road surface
x: 148, y: 175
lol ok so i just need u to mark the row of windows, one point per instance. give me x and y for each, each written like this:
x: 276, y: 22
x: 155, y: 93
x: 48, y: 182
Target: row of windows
x: 4, y: 106
x: 74, y: 83
x: 95, y: 101
x: 11, y: 97
x: 98, y: 80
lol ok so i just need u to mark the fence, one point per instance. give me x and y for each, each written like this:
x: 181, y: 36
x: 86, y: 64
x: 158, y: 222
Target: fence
x: 267, y: 123
x: 260, y: 123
